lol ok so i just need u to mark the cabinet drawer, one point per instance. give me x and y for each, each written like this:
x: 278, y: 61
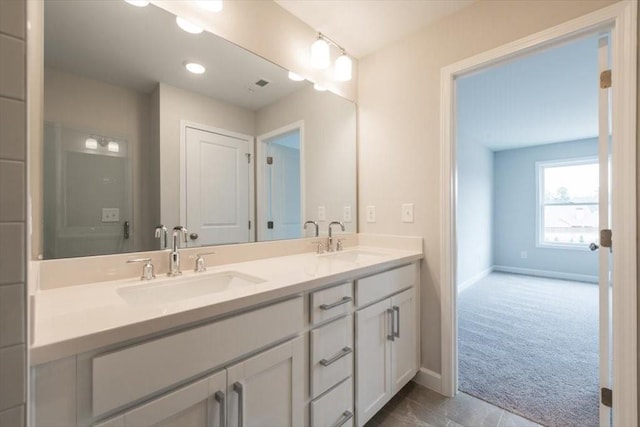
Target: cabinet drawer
x: 335, y: 408
x: 331, y: 302
x: 124, y: 376
x: 379, y: 286
x: 331, y: 354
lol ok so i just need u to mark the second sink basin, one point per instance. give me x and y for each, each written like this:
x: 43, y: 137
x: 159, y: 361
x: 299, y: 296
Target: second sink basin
x: 165, y: 291
x: 356, y: 256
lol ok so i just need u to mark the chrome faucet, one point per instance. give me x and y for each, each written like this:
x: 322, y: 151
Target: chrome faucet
x: 314, y: 223
x: 174, y: 256
x: 330, y: 239
x: 161, y: 233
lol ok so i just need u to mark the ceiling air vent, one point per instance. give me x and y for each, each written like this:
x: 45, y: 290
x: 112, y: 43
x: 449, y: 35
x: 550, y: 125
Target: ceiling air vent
x: 262, y: 82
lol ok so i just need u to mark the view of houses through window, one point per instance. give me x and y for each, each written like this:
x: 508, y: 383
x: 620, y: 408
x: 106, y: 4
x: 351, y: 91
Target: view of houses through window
x: 568, y: 202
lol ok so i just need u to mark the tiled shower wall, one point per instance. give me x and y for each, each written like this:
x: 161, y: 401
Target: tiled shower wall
x: 13, y: 144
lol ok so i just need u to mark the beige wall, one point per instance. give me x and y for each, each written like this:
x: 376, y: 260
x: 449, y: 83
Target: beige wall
x: 85, y: 104
x: 399, y: 121
x: 176, y: 105
x: 329, y: 149
x: 13, y: 201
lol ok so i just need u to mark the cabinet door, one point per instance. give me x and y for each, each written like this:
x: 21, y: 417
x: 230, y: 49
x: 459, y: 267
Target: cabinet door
x: 373, y: 359
x: 404, y: 348
x: 196, y: 405
x: 266, y: 390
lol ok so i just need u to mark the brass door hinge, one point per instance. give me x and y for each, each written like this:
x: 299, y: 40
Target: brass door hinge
x: 606, y: 397
x: 605, y: 79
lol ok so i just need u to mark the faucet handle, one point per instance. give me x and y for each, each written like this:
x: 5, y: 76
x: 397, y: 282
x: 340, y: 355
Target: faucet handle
x: 147, y: 269
x: 319, y: 247
x: 200, y: 266
x: 339, y: 243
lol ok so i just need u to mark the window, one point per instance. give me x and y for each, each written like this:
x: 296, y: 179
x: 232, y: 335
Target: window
x: 568, y: 203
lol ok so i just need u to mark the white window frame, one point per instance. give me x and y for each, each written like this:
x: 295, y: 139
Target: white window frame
x: 540, y: 166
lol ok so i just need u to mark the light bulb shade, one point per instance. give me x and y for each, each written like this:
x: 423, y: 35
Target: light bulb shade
x: 320, y: 56
x: 113, y: 146
x: 210, y: 5
x: 91, y: 143
x: 342, y: 68
x: 138, y: 3
x: 295, y: 77
x: 188, y: 26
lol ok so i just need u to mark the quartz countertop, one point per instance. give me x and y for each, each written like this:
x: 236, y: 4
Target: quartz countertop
x: 77, y: 319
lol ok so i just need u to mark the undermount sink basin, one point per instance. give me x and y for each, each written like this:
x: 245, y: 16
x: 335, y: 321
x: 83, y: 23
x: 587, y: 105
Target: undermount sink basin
x: 176, y: 289
x: 355, y: 256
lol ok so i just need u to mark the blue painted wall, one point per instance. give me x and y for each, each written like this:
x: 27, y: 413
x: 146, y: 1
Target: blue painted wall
x: 514, y: 213
x: 474, y: 214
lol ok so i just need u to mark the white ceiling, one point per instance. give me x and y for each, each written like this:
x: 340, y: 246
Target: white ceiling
x: 123, y: 45
x: 364, y: 26
x: 547, y: 97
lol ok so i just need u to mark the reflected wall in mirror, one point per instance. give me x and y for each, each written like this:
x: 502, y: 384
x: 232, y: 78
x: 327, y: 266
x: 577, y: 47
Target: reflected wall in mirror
x: 133, y: 140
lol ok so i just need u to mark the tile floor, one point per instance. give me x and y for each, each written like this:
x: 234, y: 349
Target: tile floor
x: 417, y: 406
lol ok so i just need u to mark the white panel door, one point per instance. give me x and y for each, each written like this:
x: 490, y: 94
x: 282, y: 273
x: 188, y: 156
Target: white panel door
x: 373, y: 359
x: 284, y: 204
x: 404, y: 354
x: 217, y: 188
x: 266, y: 390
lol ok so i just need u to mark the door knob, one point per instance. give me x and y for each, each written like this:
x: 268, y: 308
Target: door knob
x: 193, y: 236
x: 593, y: 247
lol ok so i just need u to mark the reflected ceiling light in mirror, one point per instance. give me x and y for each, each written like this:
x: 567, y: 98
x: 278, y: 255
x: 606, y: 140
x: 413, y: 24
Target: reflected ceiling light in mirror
x: 319, y: 87
x: 210, y: 5
x: 194, y: 67
x: 320, y: 55
x: 113, y: 146
x: 188, y: 26
x: 342, y: 68
x: 138, y: 3
x: 295, y: 77
x: 91, y: 143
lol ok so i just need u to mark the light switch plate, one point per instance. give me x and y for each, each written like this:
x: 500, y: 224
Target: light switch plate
x: 322, y: 213
x: 110, y: 214
x: 346, y: 214
x: 371, y: 214
x: 407, y: 212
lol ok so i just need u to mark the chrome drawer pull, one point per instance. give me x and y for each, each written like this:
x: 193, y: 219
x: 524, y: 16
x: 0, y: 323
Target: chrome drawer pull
x: 392, y: 335
x: 346, y: 416
x: 340, y: 355
x: 219, y: 396
x: 344, y: 300
x: 396, y: 309
x: 237, y: 387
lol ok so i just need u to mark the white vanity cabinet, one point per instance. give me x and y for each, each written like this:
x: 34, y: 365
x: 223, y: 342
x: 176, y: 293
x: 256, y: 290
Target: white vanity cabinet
x: 386, y: 340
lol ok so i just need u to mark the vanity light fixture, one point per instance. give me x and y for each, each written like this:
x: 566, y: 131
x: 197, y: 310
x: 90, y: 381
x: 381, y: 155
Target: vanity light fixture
x: 319, y: 87
x: 320, y: 55
x: 210, y: 5
x: 91, y: 143
x: 295, y: 77
x: 138, y: 3
x: 113, y: 146
x: 342, y: 68
x: 194, y: 67
x: 188, y: 26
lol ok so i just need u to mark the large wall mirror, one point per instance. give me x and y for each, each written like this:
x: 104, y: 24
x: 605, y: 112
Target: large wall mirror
x: 133, y: 140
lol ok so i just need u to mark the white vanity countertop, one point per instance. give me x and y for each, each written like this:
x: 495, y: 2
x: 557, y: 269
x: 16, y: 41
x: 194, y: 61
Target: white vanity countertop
x: 77, y: 319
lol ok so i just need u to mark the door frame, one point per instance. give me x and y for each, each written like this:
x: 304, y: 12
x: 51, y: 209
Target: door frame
x: 621, y: 19
x: 260, y: 140
x: 184, y: 124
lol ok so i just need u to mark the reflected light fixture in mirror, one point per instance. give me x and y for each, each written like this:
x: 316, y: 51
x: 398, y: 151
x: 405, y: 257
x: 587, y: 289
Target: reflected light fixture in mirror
x: 210, y: 5
x: 319, y: 87
x: 188, y: 26
x: 138, y: 3
x: 295, y: 77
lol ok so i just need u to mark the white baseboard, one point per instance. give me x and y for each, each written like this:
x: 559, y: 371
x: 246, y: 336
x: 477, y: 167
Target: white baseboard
x: 547, y: 273
x: 464, y: 285
x: 429, y: 379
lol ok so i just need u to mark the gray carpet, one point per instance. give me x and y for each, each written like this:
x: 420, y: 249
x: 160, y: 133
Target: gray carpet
x: 530, y: 345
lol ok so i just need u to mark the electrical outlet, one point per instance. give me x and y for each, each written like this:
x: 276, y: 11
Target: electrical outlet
x: 523, y: 255
x: 371, y: 214
x: 346, y: 214
x: 110, y: 214
x: 407, y: 212
x: 322, y: 213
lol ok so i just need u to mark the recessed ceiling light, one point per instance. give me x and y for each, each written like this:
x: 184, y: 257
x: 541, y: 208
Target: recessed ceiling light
x: 295, y: 77
x: 138, y: 3
x: 195, y: 68
x: 210, y: 5
x: 319, y: 87
x: 188, y: 26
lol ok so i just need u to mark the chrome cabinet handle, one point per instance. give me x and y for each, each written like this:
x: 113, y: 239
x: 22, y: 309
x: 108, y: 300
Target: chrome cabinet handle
x: 344, y: 300
x: 396, y: 309
x: 219, y: 396
x: 342, y: 353
x: 392, y: 335
x: 237, y: 387
x: 346, y: 416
